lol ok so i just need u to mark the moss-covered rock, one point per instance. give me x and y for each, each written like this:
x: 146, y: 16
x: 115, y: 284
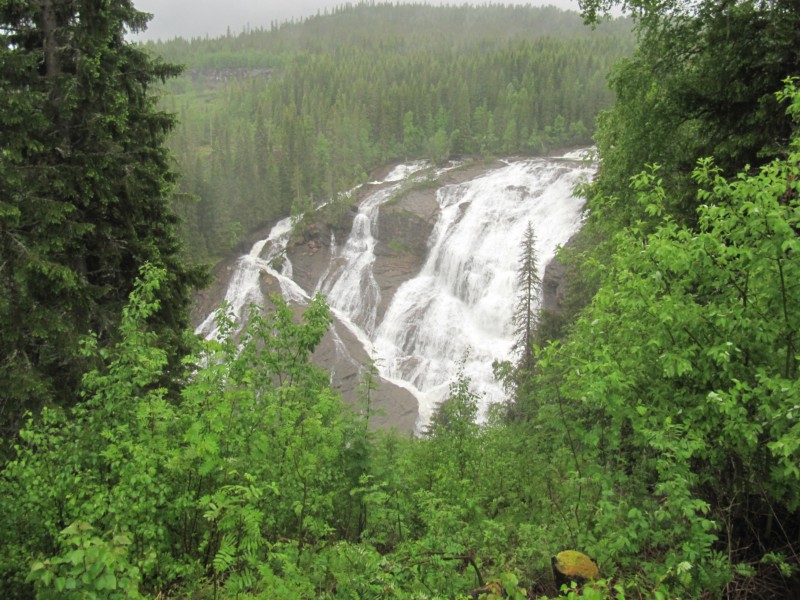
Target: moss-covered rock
x: 570, y: 565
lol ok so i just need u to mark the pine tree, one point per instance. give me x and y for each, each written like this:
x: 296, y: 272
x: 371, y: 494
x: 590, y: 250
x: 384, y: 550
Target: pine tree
x: 525, y: 315
x: 84, y: 184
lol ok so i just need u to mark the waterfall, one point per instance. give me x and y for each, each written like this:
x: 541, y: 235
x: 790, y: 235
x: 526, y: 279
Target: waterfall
x: 458, y: 309
x: 460, y: 306
x: 349, y: 282
x: 244, y: 287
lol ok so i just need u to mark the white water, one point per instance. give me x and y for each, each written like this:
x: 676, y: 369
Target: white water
x: 460, y: 305
x: 349, y: 281
x: 244, y: 287
x: 401, y: 172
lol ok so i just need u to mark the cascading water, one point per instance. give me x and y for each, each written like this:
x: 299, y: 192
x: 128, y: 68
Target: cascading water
x: 458, y: 309
x: 349, y: 282
x: 244, y: 287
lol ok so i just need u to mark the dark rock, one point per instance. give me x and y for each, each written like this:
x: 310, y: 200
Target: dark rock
x: 555, y: 282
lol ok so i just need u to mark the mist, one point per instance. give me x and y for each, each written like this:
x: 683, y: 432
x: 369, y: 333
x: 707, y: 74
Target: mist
x: 198, y: 18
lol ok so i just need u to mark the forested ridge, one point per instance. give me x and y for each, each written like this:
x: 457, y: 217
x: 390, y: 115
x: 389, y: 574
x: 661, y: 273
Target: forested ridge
x: 274, y: 121
x: 652, y: 425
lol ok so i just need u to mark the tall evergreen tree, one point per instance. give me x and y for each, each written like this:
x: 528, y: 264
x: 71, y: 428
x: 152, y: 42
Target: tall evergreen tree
x: 84, y: 181
x: 530, y: 284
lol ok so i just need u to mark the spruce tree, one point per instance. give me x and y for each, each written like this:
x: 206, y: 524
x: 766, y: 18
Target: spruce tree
x: 525, y: 316
x: 84, y: 186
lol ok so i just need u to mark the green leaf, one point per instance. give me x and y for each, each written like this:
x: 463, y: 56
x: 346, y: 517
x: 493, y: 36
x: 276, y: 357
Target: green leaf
x: 106, y: 581
x: 76, y: 556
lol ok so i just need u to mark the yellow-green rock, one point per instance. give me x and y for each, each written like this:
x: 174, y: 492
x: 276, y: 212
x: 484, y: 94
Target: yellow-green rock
x: 571, y: 565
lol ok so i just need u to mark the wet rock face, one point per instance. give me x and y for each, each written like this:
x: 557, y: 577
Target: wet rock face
x: 401, y: 231
x: 553, y: 286
x: 310, y: 254
x: 391, y: 407
x: 402, y: 234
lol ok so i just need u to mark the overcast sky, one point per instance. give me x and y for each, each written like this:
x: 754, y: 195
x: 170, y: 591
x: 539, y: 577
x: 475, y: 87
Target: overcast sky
x: 193, y: 18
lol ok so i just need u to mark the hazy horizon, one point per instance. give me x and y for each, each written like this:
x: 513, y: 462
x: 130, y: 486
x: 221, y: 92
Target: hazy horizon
x: 198, y: 18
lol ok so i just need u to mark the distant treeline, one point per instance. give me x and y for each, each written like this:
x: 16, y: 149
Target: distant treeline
x: 273, y: 120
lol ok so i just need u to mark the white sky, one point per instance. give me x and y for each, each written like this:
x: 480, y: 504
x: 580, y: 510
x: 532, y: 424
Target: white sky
x: 196, y: 18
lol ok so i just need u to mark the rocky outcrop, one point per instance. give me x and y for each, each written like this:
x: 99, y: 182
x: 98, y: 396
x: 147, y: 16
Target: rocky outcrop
x: 404, y: 228
x: 341, y: 353
x: 553, y: 286
x: 310, y: 252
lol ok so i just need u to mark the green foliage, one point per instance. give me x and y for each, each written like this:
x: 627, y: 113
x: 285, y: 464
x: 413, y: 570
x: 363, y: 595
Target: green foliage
x: 685, y: 366
x: 453, y: 430
x: 90, y: 567
x: 205, y: 486
x: 661, y: 433
x: 526, y: 310
x: 255, y: 481
x: 701, y: 83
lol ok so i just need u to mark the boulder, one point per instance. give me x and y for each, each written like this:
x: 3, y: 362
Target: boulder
x: 570, y: 565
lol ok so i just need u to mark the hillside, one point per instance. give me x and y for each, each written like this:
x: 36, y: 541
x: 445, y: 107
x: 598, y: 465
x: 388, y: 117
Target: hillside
x: 273, y: 121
